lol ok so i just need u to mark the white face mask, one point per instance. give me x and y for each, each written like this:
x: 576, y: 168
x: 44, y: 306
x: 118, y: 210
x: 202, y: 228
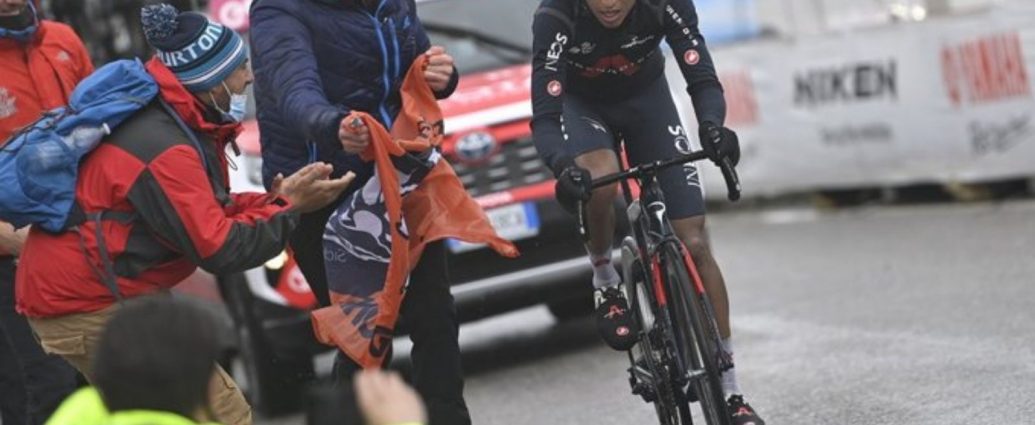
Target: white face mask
x: 238, y: 105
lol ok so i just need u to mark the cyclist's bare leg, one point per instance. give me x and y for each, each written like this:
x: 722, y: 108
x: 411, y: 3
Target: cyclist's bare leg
x: 615, y: 326
x: 692, y: 232
x: 601, y: 214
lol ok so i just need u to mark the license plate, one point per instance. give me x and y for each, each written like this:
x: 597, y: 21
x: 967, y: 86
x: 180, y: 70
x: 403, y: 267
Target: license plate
x: 512, y: 222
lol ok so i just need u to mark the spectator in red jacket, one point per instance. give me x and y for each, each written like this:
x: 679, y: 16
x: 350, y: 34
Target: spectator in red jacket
x: 40, y: 63
x: 163, y: 192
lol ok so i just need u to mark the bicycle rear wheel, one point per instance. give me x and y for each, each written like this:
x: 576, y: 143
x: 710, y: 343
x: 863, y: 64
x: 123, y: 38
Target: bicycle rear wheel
x: 696, y: 334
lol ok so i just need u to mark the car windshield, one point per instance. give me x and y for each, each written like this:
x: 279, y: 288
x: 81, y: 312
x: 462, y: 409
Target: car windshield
x: 480, y: 34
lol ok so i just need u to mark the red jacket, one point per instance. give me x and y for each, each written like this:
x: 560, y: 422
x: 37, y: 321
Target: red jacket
x: 184, y: 215
x: 39, y: 75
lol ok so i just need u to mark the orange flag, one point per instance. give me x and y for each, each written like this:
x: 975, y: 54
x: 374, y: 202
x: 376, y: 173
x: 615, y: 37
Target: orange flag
x: 362, y: 323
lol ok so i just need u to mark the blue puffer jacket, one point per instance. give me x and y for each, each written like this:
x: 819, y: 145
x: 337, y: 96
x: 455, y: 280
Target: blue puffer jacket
x: 314, y: 61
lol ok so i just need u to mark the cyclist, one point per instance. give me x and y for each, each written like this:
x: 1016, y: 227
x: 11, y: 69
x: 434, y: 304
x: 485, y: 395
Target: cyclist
x: 598, y: 74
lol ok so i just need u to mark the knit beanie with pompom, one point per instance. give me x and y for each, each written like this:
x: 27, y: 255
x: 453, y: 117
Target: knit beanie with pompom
x: 200, y: 52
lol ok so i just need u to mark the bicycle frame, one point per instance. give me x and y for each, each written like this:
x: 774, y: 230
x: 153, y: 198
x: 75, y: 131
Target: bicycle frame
x: 651, y: 230
x: 652, y: 220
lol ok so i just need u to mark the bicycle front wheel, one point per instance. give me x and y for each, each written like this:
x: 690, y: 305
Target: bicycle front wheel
x: 697, y: 337
x: 650, y: 360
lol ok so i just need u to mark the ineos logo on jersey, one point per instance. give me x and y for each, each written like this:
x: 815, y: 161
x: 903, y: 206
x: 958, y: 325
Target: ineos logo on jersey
x: 554, y: 54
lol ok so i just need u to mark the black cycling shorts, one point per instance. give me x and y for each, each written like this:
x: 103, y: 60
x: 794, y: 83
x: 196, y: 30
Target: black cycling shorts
x: 649, y: 124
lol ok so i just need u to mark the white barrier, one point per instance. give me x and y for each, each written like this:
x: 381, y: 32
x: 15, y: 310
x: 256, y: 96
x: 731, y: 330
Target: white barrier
x: 946, y: 100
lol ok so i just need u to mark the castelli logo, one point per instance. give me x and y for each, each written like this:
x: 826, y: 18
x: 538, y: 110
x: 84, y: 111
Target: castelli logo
x: 554, y: 88
x: 691, y: 57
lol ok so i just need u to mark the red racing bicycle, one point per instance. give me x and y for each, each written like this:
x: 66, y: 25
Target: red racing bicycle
x: 677, y: 360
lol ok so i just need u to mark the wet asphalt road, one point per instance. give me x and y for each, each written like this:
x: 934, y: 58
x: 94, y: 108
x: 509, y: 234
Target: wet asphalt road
x: 879, y: 315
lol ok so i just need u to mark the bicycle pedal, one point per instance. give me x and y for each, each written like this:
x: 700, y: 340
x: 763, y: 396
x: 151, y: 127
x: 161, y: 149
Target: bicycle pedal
x: 646, y: 392
x: 640, y: 375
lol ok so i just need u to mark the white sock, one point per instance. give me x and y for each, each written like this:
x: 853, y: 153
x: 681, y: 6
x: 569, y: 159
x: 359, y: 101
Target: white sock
x: 729, y: 377
x: 604, y: 274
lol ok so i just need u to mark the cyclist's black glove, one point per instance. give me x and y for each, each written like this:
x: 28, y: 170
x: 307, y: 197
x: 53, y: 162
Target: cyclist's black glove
x: 574, y: 185
x: 719, y: 142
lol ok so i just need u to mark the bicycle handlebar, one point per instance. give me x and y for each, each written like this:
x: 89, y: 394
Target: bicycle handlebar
x: 729, y: 172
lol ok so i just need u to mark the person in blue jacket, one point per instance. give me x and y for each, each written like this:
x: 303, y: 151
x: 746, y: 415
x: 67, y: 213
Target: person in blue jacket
x: 314, y: 62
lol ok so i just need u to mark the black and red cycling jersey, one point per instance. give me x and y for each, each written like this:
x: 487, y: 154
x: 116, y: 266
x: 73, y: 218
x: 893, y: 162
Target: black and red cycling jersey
x: 575, y: 55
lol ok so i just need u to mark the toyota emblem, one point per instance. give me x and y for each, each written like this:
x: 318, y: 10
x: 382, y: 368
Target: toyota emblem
x: 476, y: 146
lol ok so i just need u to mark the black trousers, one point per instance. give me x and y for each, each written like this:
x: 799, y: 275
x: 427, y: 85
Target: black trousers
x: 32, y: 383
x: 307, y: 245
x: 427, y: 312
